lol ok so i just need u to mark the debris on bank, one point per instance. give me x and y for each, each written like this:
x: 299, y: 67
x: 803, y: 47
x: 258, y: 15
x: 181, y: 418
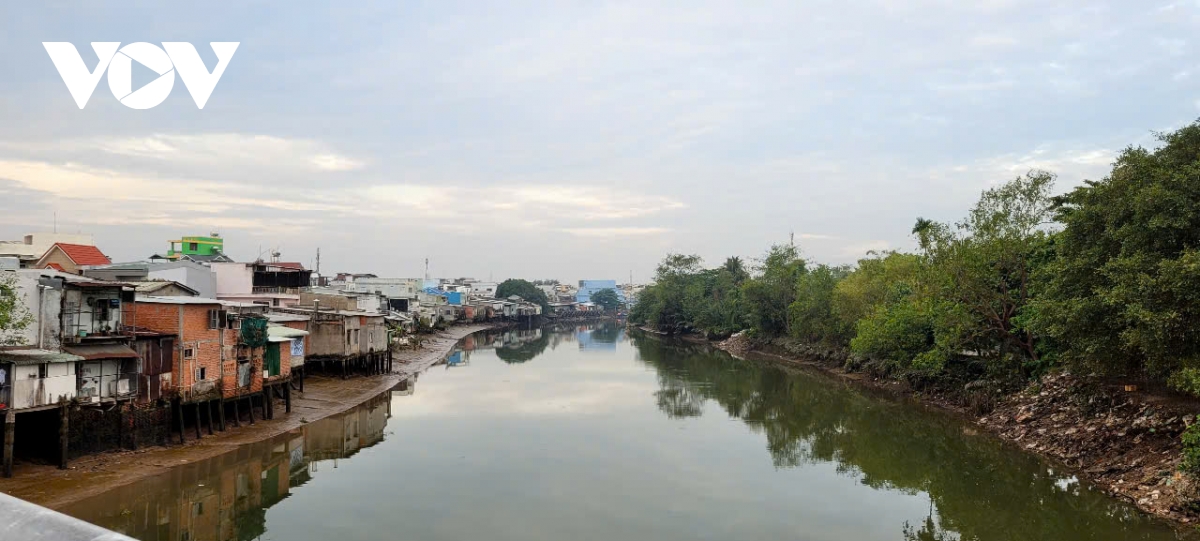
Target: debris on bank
x: 1127, y: 445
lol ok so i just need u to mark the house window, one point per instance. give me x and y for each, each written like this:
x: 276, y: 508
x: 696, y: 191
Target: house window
x: 218, y: 319
x: 356, y: 337
x: 193, y: 246
x: 347, y: 338
x: 189, y: 353
x: 201, y: 374
x: 43, y: 371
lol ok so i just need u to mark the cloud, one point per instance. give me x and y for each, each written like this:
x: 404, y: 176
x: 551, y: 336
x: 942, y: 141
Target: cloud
x: 612, y: 232
x: 104, y: 195
x: 219, y: 148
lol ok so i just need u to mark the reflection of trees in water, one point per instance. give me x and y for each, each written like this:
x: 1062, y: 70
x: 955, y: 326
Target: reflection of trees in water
x: 981, y: 490
x: 524, y: 351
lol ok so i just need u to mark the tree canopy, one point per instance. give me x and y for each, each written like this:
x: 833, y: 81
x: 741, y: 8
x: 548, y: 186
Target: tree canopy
x: 606, y: 299
x: 524, y: 289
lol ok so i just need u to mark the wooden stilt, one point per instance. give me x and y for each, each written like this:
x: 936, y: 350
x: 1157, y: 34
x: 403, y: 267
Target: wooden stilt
x: 287, y: 399
x: 208, y: 416
x: 64, y: 435
x: 302, y: 371
x: 10, y: 435
x: 133, y: 427
x: 221, y: 412
x: 250, y: 400
x: 237, y: 415
x: 120, y: 425
x: 179, y: 417
x: 198, y: 436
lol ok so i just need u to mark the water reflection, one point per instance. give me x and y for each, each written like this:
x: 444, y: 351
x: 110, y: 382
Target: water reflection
x: 978, y: 488
x: 611, y: 437
x: 226, y: 498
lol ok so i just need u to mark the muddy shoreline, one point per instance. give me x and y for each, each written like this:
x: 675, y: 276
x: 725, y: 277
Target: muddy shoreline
x: 1126, y: 444
x: 88, y: 476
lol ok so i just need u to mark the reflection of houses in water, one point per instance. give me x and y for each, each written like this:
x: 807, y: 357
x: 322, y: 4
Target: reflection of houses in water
x: 599, y: 337
x: 406, y: 387
x: 225, y: 498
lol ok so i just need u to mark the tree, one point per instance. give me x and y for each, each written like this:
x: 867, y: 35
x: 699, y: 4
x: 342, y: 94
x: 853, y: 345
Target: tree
x: 1122, y: 296
x: 768, y: 295
x: 524, y: 289
x: 810, y: 316
x: 980, y: 273
x: 14, y: 317
x: 607, y: 299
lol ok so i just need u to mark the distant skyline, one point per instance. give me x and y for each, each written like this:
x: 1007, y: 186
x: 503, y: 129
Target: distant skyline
x: 578, y: 140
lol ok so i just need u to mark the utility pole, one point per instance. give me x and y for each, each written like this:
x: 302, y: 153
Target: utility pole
x: 318, y: 260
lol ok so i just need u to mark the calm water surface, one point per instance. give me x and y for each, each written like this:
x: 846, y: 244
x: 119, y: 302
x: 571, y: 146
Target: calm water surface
x: 592, y: 434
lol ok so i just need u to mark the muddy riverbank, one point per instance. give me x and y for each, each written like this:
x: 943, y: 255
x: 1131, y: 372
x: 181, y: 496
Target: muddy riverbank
x: 54, y: 488
x: 1127, y: 444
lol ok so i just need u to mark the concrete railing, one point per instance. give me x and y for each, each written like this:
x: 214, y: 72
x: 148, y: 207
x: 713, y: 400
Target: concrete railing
x: 25, y: 521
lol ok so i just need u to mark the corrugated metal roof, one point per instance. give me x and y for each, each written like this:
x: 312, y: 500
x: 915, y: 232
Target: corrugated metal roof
x: 149, y: 287
x: 284, y: 332
x: 175, y: 300
x: 92, y: 352
x: 36, y: 356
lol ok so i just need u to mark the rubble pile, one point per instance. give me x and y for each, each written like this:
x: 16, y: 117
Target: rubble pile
x: 1125, y: 443
x: 737, y: 345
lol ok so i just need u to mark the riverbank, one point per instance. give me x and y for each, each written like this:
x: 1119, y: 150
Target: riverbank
x: 1125, y: 443
x: 51, y: 487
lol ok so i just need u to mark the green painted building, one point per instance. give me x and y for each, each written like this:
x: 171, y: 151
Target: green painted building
x: 197, y: 247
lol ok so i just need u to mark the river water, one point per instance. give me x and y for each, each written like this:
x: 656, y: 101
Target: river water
x: 590, y: 434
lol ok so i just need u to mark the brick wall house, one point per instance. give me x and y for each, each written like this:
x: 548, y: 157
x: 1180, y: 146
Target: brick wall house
x: 210, y: 359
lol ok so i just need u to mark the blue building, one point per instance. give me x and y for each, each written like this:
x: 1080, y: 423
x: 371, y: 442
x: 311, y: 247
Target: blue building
x: 588, y: 287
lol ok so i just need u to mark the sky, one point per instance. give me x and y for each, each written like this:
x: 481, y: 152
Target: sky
x: 577, y: 140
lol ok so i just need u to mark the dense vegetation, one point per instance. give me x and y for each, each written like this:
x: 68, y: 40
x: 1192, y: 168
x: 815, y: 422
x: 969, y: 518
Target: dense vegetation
x: 1104, y: 279
x: 607, y: 299
x: 524, y: 289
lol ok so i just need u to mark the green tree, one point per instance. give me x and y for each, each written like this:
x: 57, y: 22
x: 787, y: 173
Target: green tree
x: 1122, y: 296
x: 810, y: 316
x: 14, y: 317
x: 768, y: 295
x: 524, y: 289
x: 980, y: 274
x: 607, y: 299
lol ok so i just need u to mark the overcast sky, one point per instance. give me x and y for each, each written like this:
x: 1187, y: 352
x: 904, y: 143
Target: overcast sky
x: 578, y: 139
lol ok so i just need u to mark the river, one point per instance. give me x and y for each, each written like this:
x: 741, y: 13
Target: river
x: 593, y: 434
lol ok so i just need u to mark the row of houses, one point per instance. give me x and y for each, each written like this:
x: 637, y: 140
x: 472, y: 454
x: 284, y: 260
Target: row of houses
x: 159, y: 351
x: 191, y: 340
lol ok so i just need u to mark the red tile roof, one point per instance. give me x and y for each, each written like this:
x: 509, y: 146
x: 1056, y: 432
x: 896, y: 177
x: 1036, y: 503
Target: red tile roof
x: 84, y: 255
x: 56, y: 267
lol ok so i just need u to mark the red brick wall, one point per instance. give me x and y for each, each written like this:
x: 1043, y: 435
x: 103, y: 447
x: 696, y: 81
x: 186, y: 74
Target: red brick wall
x: 206, y: 345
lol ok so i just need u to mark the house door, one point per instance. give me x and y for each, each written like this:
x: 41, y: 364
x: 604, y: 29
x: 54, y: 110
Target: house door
x: 271, y: 359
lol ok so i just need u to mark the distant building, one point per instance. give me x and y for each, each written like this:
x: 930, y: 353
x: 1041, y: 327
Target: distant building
x: 270, y: 283
x: 199, y: 249
x: 589, y: 287
x: 29, y: 249
x: 484, y: 289
x: 196, y: 276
